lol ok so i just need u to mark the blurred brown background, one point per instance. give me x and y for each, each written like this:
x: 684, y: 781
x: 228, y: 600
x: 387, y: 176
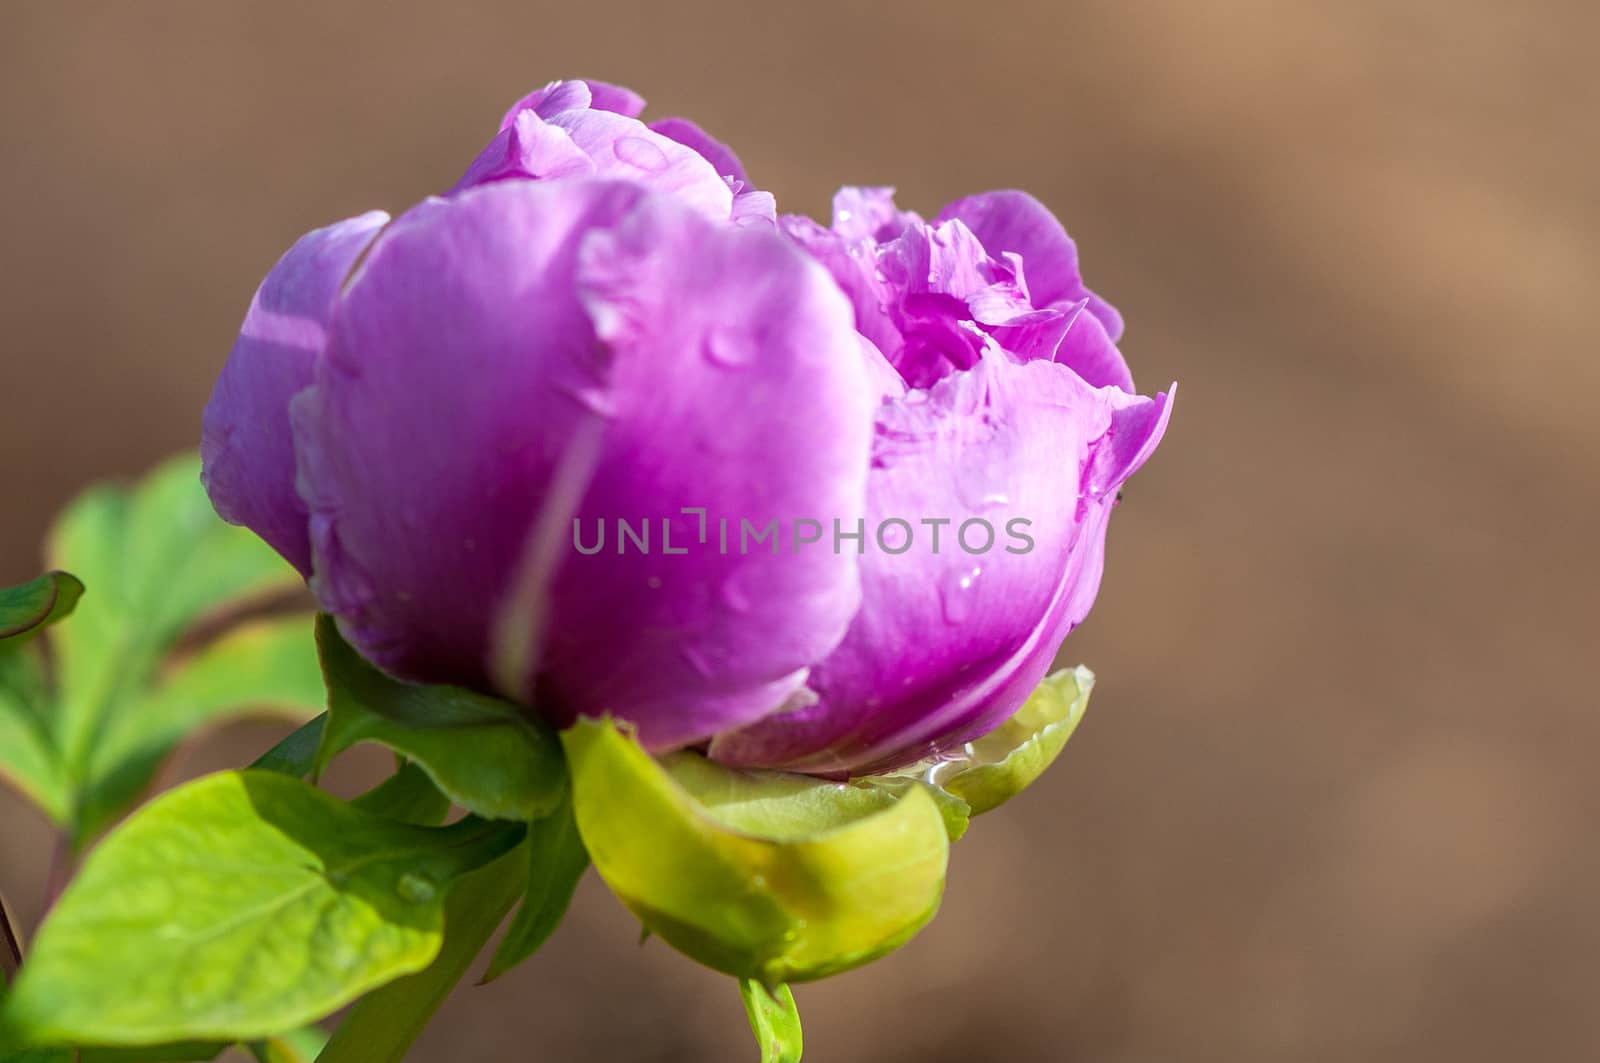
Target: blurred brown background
x: 1334, y: 799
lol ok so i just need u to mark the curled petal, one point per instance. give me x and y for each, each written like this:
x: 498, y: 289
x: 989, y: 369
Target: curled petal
x: 245, y: 445
x: 561, y: 96
x: 714, y: 151
x: 1016, y: 222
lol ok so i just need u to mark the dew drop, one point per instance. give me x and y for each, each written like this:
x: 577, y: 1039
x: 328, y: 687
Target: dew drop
x: 955, y: 593
x: 639, y: 152
x: 416, y: 888
x: 728, y: 347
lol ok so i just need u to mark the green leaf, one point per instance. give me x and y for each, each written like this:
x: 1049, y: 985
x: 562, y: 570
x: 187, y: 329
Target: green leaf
x: 485, y: 755
x: 1001, y: 764
x: 265, y: 666
x: 158, y: 559
x: 774, y: 1020
x: 162, y: 568
x: 764, y: 875
x: 29, y: 761
x: 384, y: 1024
x: 36, y: 1055
x: 239, y: 905
x: 27, y: 608
x: 181, y: 1052
x: 556, y: 861
x: 408, y: 796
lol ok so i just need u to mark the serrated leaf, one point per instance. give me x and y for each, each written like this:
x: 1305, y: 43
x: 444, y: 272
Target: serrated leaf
x: 239, y: 905
x: 485, y: 755
x: 764, y: 875
x: 1004, y: 762
x: 556, y: 861
x: 31, y: 606
x: 265, y: 667
x: 774, y: 1020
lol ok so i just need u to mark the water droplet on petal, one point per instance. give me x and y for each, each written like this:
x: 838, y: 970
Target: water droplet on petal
x: 955, y: 593
x: 729, y: 347
x: 639, y: 152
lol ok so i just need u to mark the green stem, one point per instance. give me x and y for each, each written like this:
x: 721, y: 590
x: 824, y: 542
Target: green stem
x: 10, y: 947
x: 384, y: 1023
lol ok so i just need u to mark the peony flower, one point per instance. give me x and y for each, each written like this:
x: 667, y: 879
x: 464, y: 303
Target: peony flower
x: 593, y: 433
x: 1004, y: 399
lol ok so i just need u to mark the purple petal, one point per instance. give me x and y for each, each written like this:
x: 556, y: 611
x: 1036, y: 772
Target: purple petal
x: 245, y: 445
x: 853, y: 265
x: 528, y: 147
x: 1016, y: 222
x: 869, y: 214
x: 528, y: 355
x: 623, y: 147
x: 561, y: 96
x: 1074, y: 338
x: 755, y: 208
x: 948, y: 644
x: 714, y: 151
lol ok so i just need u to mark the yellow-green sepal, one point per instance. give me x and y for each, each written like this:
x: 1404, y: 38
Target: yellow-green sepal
x: 1003, y: 763
x: 764, y: 875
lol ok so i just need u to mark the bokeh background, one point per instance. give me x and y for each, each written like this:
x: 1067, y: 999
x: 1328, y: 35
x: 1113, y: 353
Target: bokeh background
x: 1336, y: 796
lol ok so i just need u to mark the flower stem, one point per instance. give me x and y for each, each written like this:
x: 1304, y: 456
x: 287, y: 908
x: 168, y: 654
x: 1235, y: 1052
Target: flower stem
x: 10, y: 947
x: 383, y: 1024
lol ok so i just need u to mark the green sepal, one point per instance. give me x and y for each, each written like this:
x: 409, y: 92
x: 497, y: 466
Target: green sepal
x: 485, y: 755
x: 408, y: 796
x: 296, y: 754
x: 30, y: 607
x: 764, y: 875
x: 240, y: 905
x: 774, y: 1020
x: 556, y: 861
x: 1003, y: 763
